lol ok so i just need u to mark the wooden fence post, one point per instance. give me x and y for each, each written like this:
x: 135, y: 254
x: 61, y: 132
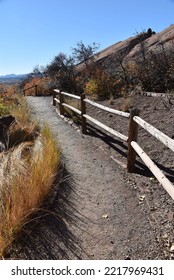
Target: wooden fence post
x: 54, y: 101
x: 61, y: 102
x: 132, y: 136
x: 83, y: 112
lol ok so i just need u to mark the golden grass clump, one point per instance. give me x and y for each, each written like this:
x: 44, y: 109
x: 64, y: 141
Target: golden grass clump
x: 27, y: 172
x: 22, y: 113
x: 24, y: 129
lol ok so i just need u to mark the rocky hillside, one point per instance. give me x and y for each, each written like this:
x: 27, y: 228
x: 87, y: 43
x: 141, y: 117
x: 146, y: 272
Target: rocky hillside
x: 135, y: 48
x: 155, y: 43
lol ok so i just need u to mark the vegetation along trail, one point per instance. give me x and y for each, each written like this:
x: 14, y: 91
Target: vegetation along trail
x: 99, y: 217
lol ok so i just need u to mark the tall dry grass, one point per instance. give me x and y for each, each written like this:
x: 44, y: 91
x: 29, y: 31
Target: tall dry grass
x: 27, y: 172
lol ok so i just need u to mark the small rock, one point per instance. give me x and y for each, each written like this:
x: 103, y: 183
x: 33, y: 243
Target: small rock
x: 141, y: 197
x: 127, y: 258
x: 152, y: 178
x: 165, y: 236
x: 105, y: 216
x: 170, y: 215
x: 172, y: 248
x: 91, y: 255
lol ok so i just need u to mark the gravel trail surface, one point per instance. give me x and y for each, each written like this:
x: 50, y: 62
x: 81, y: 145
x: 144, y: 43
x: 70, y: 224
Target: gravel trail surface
x: 96, y: 215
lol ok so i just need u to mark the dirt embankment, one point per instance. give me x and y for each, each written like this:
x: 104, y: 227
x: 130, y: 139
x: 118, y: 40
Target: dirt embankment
x: 153, y: 199
x: 100, y: 211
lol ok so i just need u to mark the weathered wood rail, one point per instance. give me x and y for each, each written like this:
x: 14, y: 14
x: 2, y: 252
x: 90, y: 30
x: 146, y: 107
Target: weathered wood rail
x: 169, y: 187
x: 131, y: 139
x: 36, y: 89
x: 156, y: 133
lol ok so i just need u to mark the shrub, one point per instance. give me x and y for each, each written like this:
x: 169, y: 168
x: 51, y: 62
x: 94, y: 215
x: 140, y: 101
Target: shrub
x: 4, y: 110
x: 101, y: 85
x: 126, y: 105
x: 44, y: 86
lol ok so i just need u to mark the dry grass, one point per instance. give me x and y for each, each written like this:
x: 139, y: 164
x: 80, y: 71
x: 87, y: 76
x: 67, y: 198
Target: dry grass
x: 126, y: 105
x: 25, y: 129
x: 22, y: 113
x: 27, y: 172
x: 111, y: 100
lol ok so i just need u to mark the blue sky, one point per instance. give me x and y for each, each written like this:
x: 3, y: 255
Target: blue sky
x: 34, y: 31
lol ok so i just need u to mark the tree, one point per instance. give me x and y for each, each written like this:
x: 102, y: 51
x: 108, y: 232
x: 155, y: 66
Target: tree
x: 62, y: 72
x: 38, y: 71
x: 84, y: 53
x: 150, y: 32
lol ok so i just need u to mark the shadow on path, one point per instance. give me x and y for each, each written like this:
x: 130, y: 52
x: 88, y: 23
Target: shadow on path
x: 121, y: 148
x: 48, y: 234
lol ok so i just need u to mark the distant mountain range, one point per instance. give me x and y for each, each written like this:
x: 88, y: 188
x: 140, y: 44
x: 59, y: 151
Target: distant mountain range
x: 12, y: 78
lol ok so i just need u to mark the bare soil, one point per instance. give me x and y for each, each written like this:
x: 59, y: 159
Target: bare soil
x: 100, y: 211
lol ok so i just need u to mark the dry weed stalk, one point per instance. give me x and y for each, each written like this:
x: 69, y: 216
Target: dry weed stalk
x: 126, y: 105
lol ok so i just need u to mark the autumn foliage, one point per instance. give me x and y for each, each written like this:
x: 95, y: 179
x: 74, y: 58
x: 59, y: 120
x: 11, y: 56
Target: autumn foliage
x: 44, y: 86
x: 82, y: 72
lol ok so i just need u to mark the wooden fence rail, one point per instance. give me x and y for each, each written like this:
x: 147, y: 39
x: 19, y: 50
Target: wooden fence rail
x: 35, y: 86
x: 131, y: 139
x: 156, y: 133
x: 107, y: 109
x: 108, y: 129
x: 83, y: 114
x: 169, y: 187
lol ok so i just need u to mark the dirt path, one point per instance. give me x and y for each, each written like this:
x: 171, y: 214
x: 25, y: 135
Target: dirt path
x: 98, y: 215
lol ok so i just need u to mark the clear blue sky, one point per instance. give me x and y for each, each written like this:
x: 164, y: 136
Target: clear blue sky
x: 34, y: 31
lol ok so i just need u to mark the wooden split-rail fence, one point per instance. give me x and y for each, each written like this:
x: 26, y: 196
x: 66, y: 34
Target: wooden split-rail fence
x: 131, y: 139
x: 35, y: 88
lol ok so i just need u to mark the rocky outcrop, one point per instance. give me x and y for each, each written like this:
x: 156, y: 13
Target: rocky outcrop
x: 156, y: 43
x: 134, y: 48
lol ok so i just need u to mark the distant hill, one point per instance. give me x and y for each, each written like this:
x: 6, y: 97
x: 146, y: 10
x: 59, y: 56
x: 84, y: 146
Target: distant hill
x: 12, y: 78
